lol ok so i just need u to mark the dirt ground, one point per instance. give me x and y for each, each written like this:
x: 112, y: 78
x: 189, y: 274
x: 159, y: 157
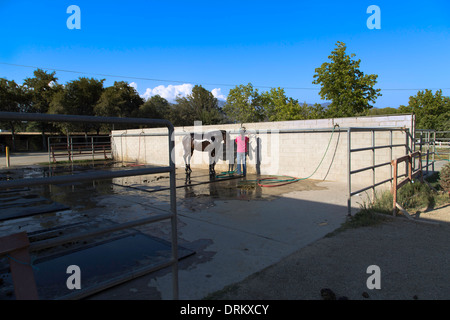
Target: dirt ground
x: 413, y: 257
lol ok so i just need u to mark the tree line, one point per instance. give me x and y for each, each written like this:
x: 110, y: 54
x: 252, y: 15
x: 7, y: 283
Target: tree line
x: 350, y: 91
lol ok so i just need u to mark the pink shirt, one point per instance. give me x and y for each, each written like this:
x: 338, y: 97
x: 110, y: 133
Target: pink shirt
x: 241, y: 144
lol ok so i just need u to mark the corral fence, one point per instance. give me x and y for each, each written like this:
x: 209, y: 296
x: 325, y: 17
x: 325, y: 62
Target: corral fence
x: 99, y: 175
x: 425, y: 142
x: 420, y: 155
x: 440, y: 143
x: 82, y: 147
x: 435, y: 145
x: 371, y: 149
x: 412, y: 174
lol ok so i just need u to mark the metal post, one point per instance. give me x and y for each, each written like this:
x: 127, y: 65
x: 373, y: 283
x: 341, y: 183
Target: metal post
x: 407, y: 151
x: 92, y: 146
x: 421, y: 141
x: 16, y: 246
x: 173, y: 209
x: 71, y: 149
x: 349, y: 168
x: 7, y: 157
x: 409, y: 164
x: 394, y: 188
x: 390, y: 152
x: 48, y: 149
x: 434, y: 149
x: 373, y: 166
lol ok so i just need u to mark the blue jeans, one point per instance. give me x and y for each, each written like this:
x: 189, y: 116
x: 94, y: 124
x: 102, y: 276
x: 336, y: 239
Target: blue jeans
x: 241, y: 159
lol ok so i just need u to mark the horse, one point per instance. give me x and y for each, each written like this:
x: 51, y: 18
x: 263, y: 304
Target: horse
x: 205, y: 142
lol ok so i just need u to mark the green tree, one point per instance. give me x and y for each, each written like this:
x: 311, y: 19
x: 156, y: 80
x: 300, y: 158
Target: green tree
x: 119, y: 100
x: 382, y: 111
x: 77, y: 97
x: 40, y: 89
x: 156, y: 107
x: 432, y: 111
x: 315, y: 111
x: 349, y: 89
x: 278, y: 107
x: 244, y: 104
x: 200, y: 105
x: 13, y: 98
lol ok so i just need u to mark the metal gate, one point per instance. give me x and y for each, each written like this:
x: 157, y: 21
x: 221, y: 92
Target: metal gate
x: 102, y: 174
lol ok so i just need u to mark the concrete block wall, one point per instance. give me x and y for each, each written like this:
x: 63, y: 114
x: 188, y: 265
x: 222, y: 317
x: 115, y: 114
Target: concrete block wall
x: 296, y: 154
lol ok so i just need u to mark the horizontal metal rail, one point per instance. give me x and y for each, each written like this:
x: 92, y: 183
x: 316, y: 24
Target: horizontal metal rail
x: 377, y: 147
x: 80, y: 177
x: 44, y: 244
x: 371, y: 186
x: 96, y: 288
x: 257, y: 131
x: 44, y: 117
x: 99, y: 175
x: 370, y: 168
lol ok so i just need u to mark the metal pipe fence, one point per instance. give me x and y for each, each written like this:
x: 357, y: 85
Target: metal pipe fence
x: 373, y: 147
x: 426, y: 144
x: 101, y: 174
x: 423, y: 141
x: 78, y: 147
x: 412, y: 173
x: 442, y: 145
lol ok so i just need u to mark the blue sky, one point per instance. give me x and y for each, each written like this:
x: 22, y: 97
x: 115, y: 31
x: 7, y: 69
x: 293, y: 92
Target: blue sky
x: 223, y: 44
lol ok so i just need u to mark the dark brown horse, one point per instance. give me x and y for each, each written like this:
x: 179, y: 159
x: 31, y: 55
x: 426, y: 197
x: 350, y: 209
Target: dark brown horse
x: 210, y: 142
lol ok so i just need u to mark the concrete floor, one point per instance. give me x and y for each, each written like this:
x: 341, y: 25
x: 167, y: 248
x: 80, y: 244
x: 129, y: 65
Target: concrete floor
x: 235, y: 231
x: 236, y: 236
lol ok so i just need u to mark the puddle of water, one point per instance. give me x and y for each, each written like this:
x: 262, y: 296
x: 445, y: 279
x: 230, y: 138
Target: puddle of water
x: 153, y: 190
x: 99, y: 262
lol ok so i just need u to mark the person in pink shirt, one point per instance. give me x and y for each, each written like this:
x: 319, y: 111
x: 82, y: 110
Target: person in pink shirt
x: 241, y: 151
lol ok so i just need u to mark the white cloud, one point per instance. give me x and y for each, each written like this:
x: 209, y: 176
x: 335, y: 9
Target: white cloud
x: 134, y: 85
x: 218, y: 94
x: 170, y: 93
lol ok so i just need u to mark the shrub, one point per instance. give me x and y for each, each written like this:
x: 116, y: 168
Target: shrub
x: 416, y: 195
x: 444, y: 177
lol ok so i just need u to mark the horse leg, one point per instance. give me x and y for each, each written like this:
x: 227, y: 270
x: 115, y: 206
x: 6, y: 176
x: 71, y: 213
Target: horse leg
x: 212, y: 161
x: 188, y: 178
x: 187, y: 161
x: 212, y: 171
x: 212, y: 164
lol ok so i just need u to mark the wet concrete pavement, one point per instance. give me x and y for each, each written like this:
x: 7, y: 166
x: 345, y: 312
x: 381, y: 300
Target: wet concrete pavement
x: 235, y: 227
